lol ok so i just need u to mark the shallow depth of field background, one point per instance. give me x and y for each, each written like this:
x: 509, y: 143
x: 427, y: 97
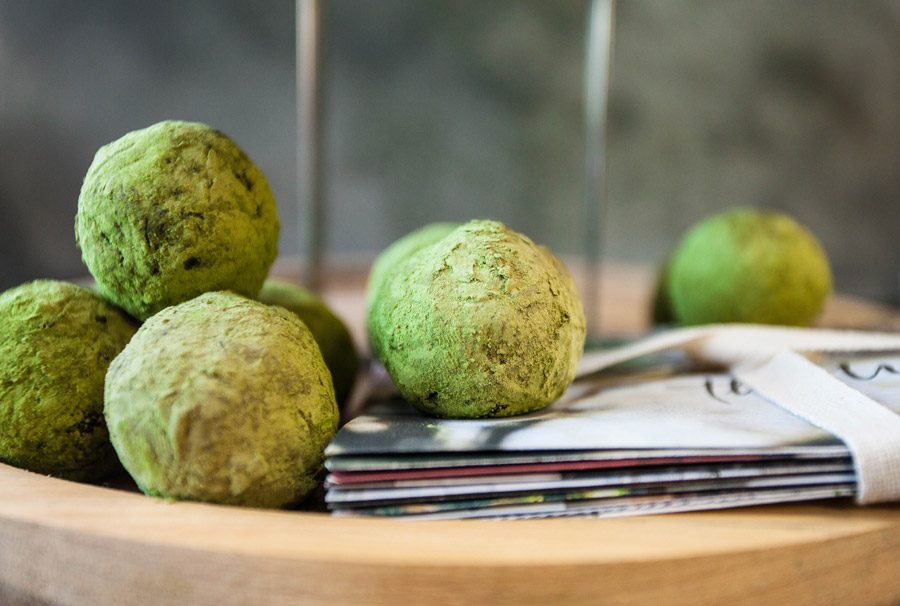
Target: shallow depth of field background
x: 461, y: 109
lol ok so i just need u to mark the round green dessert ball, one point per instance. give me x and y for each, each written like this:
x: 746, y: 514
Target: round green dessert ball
x: 483, y: 323
x: 748, y: 265
x: 327, y: 329
x: 56, y: 342
x: 172, y: 211
x: 224, y: 400
x: 400, y: 250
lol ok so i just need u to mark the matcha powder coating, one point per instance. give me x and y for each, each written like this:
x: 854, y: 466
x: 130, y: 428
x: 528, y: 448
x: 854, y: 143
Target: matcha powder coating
x: 327, y: 329
x: 483, y: 323
x: 56, y: 342
x: 222, y: 399
x: 172, y: 211
x: 400, y: 250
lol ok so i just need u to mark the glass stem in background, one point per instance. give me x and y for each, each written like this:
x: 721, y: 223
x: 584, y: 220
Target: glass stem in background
x: 598, y: 56
x: 311, y: 208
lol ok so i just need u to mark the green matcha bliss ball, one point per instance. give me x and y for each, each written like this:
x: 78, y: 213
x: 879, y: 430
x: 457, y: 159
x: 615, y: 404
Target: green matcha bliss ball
x: 172, y: 211
x: 482, y: 323
x: 748, y: 265
x: 327, y: 329
x: 56, y: 342
x: 222, y: 399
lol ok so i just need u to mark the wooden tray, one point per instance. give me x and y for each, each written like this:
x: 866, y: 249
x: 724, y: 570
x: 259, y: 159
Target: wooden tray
x: 68, y: 543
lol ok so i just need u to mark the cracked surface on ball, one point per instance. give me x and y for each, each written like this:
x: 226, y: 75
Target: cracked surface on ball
x: 222, y: 399
x: 172, y: 211
x: 483, y: 323
x: 56, y: 343
x: 398, y: 251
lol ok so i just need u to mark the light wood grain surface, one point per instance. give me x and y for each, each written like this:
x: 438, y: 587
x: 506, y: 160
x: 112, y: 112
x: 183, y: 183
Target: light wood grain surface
x: 68, y: 543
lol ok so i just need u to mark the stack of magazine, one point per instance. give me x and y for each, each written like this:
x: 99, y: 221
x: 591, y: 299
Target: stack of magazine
x: 616, y: 445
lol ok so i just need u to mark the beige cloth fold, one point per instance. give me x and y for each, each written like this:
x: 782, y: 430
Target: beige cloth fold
x: 768, y: 360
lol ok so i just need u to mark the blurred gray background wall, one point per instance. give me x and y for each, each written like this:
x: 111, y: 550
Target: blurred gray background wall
x: 465, y: 108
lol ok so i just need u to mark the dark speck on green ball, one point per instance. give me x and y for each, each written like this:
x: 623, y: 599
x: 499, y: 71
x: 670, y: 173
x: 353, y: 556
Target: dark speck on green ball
x: 222, y: 399
x: 482, y: 323
x: 56, y: 343
x: 329, y: 331
x: 172, y: 211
